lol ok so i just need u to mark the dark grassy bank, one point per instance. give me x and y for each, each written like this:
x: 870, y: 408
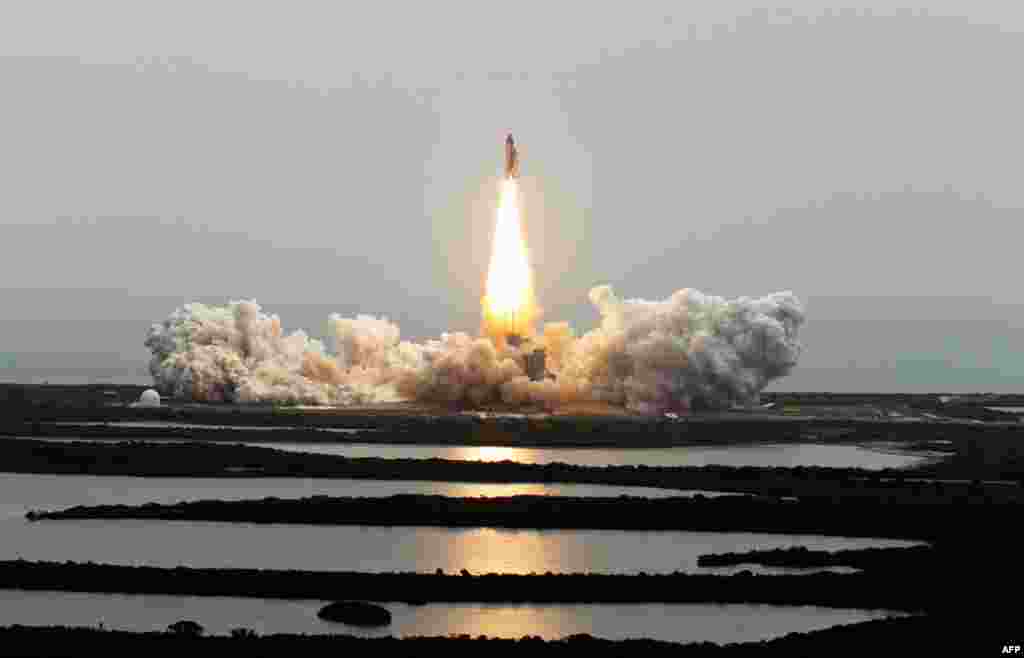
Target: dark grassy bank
x: 930, y: 518
x: 98, y: 403
x: 449, y: 426
x: 468, y: 429
x: 912, y: 591
x: 983, y: 451
x: 867, y: 559
x: 825, y: 398
x: 453, y: 429
x: 207, y: 460
x: 963, y: 635
x: 990, y: 450
x: 66, y: 395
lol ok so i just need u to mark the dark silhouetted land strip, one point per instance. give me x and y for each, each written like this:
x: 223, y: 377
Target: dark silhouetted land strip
x: 989, y: 451
x: 468, y: 430
x: 892, y: 560
x: 540, y: 430
x: 929, y: 519
x: 912, y: 591
x: 216, y: 460
x: 962, y: 635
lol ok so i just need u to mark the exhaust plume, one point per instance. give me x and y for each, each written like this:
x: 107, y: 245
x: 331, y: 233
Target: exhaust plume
x: 509, y: 306
x: 687, y: 351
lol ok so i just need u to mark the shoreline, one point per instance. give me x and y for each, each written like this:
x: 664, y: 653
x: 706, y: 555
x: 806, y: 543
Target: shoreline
x: 919, y: 591
x: 924, y: 633
x: 187, y: 459
x: 927, y: 520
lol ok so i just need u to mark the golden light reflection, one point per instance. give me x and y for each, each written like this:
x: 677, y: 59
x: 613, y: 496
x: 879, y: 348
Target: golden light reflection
x: 500, y: 550
x: 481, y: 489
x: 510, y: 621
x: 491, y: 454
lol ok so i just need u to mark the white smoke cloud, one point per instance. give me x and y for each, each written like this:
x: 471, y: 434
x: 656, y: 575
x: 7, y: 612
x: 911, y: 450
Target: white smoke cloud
x: 690, y: 349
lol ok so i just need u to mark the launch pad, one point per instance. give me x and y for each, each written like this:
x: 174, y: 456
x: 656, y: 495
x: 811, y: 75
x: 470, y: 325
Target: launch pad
x: 533, y: 360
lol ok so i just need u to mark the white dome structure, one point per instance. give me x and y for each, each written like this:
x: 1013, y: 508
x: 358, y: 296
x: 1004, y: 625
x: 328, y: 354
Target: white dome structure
x: 149, y: 398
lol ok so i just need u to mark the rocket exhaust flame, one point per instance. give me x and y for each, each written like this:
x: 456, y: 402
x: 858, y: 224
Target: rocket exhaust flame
x: 649, y: 357
x: 509, y: 307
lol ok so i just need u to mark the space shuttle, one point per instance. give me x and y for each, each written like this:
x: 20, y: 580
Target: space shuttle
x: 511, y: 158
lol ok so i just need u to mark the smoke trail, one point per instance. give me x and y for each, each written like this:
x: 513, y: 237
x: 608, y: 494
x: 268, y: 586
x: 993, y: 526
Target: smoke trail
x: 689, y: 350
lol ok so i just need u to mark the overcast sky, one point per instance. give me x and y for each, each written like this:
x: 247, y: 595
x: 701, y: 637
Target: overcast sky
x: 322, y: 157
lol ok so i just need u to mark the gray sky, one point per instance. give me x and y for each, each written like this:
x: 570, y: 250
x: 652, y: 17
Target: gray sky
x: 319, y: 158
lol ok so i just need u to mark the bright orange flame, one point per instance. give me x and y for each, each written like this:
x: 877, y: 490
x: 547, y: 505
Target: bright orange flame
x: 508, y: 306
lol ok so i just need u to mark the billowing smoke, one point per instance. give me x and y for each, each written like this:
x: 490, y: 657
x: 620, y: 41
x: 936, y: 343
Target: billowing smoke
x: 689, y: 350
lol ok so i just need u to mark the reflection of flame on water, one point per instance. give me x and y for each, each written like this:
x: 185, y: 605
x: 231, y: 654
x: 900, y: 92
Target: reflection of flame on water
x: 491, y: 454
x: 484, y: 490
x: 509, y: 307
x: 496, y: 454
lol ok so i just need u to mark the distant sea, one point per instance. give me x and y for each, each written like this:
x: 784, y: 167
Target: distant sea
x: 56, y: 368
x: 27, y: 376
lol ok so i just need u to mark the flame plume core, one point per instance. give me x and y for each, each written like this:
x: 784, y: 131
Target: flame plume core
x: 509, y: 304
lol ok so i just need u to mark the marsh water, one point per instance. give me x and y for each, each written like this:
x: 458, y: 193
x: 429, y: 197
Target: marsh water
x: 782, y: 455
x: 343, y: 548
x: 412, y: 549
x: 21, y: 492
x: 219, y: 615
x: 769, y: 455
x: 386, y: 549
